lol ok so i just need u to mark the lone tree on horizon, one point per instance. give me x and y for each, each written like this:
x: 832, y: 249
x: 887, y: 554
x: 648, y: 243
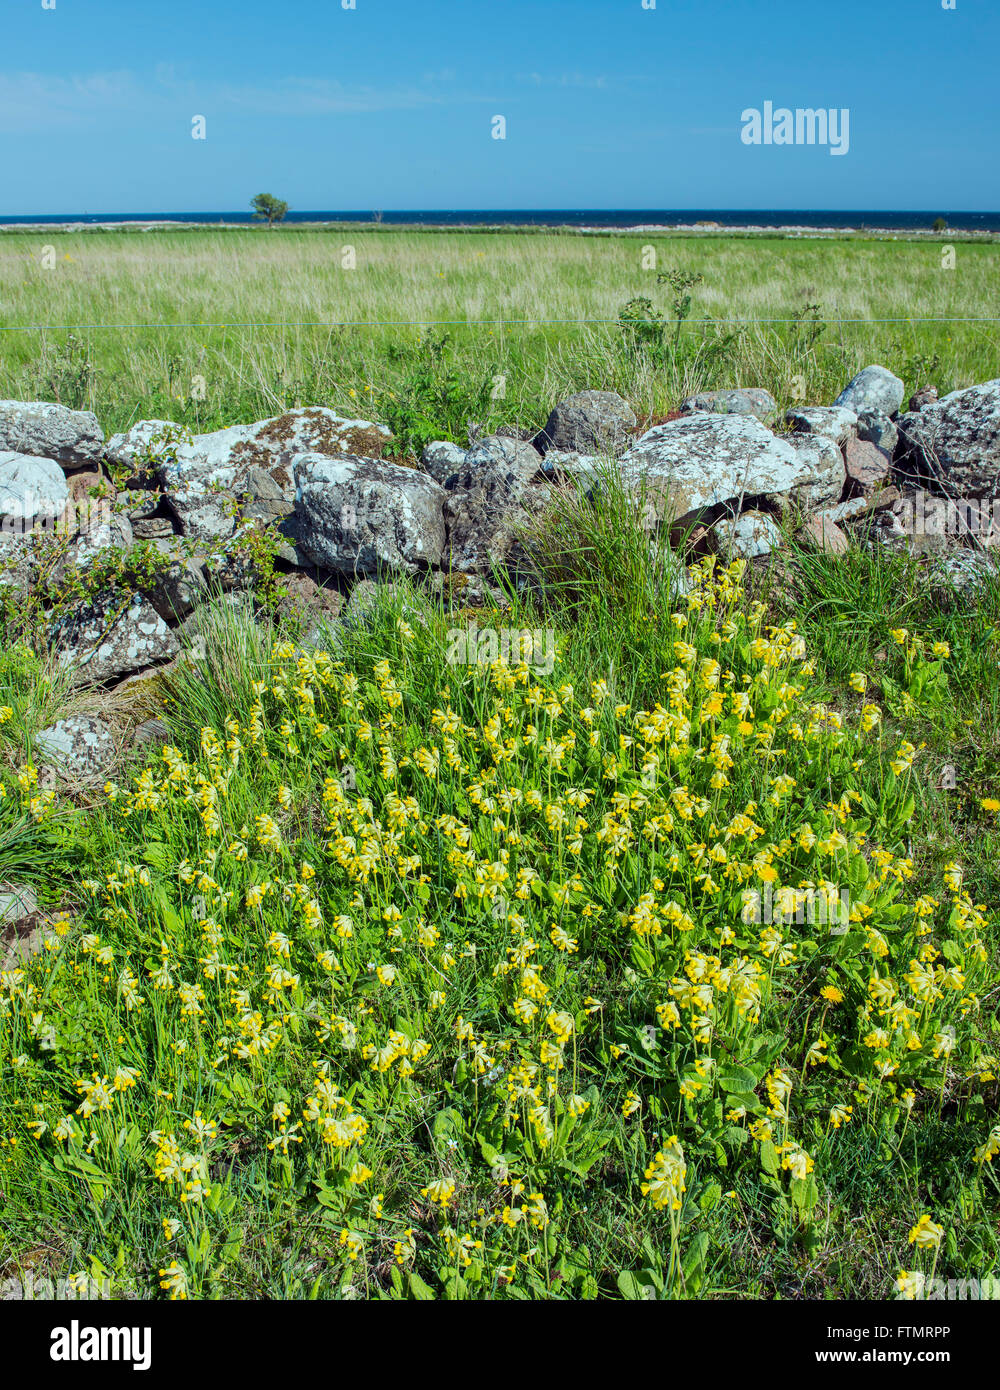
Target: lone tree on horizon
x: 268, y: 208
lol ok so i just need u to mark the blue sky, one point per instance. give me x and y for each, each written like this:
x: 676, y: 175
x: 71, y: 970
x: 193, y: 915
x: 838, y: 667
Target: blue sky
x: 389, y: 105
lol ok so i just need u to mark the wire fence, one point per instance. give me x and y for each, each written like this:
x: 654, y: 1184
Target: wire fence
x: 458, y: 323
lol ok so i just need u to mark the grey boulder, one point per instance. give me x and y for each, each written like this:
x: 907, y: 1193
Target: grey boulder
x: 751, y: 400
x: 442, y: 460
x: 110, y: 637
x: 832, y: 421
x: 30, y: 486
x: 826, y: 471
x: 17, y: 903
x: 42, y: 428
x: 747, y: 537
x: 952, y: 446
x: 81, y: 746
x: 363, y: 516
x: 489, y: 500
x: 875, y: 427
x: 695, y: 468
x: 589, y: 422
x: 203, y: 480
x: 874, y: 388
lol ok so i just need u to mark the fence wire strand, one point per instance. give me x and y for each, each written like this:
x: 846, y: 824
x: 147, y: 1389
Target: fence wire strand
x: 453, y: 323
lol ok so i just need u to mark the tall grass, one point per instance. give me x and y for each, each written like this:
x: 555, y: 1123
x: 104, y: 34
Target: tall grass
x: 529, y: 319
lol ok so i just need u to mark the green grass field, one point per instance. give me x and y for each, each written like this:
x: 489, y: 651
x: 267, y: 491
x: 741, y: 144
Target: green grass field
x: 402, y: 976
x: 496, y: 354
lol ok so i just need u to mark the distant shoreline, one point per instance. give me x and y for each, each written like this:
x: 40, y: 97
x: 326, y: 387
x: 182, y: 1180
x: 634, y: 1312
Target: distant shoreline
x: 592, y: 221
x: 705, y: 228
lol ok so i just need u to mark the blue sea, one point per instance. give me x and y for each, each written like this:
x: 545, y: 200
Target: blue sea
x: 857, y: 219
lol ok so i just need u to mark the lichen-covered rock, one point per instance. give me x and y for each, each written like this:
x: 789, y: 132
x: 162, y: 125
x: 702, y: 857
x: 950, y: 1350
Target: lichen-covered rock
x: 17, y: 902
x: 749, y: 400
x: 963, y: 571
x: 81, y: 746
x: 197, y: 479
x: 203, y: 480
x: 875, y: 427
x: 488, y: 500
x: 96, y: 536
x: 824, y: 482
x: 179, y: 585
x: 698, y: 467
x: 364, y: 599
x: 30, y: 486
x: 589, y: 422
x: 262, y: 497
x: 747, y: 537
x: 952, y: 446
x: 832, y: 421
x: 46, y: 430
x: 874, y: 388
x: 139, y: 504
x: 585, y: 470
x: 364, y: 516
x: 209, y: 619
x: 442, y: 460
x: 20, y: 936
x: 110, y: 637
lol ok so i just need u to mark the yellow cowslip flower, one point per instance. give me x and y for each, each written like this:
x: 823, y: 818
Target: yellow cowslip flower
x: 870, y: 717
x: 910, y: 1283
x: 926, y: 1234
x: 174, y: 1280
x: 665, y: 1177
x: 440, y: 1191
x: 562, y: 941
x: 268, y: 836
x: 796, y: 1160
x: 858, y: 681
x: 903, y: 760
x: 351, y: 1243
x: 562, y: 1024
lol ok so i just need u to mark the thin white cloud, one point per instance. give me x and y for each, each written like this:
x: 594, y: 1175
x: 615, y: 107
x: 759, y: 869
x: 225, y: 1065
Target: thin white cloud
x: 306, y: 96
x: 563, y: 79
x: 32, y: 101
